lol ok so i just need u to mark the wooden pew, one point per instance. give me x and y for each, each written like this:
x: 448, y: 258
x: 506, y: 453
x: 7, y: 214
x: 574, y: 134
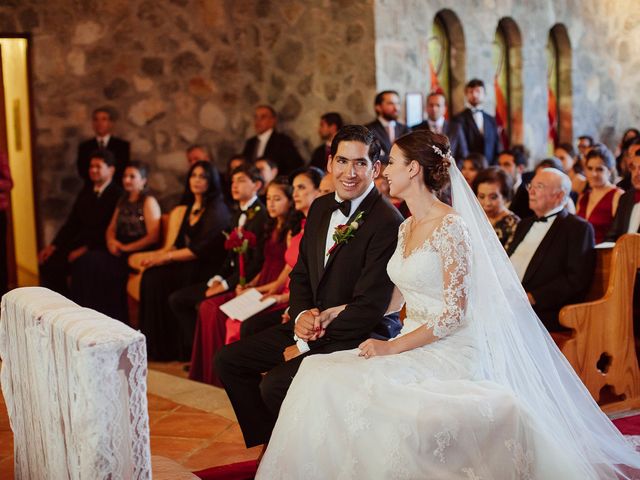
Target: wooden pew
x: 601, y: 347
x: 170, y: 229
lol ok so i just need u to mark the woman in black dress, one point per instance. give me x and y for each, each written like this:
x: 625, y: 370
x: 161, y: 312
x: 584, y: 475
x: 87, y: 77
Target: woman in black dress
x: 198, y: 250
x: 99, y: 277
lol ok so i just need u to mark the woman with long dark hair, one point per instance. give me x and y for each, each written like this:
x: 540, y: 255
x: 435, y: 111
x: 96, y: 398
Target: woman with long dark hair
x: 197, y: 251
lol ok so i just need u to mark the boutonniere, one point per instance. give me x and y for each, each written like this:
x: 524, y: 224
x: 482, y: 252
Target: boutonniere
x: 252, y: 212
x: 344, y: 233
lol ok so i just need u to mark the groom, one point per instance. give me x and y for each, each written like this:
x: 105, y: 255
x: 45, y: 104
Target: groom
x: 328, y: 274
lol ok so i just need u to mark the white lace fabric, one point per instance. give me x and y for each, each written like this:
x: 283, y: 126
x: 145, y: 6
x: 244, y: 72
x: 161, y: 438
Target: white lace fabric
x: 74, y: 382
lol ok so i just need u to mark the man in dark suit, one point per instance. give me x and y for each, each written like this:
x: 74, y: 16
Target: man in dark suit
x: 271, y: 144
x: 480, y: 129
x: 386, y: 127
x: 86, y: 225
x: 102, y: 122
x: 435, y: 122
x: 250, y: 214
x: 552, y: 252
x: 326, y: 277
x: 330, y: 123
x: 627, y: 219
x: 513, y: 163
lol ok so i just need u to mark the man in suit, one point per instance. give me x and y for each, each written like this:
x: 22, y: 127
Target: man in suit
x: 386, y: 127
x: 513, y: 163
x: 352, y: 273
x: 271, y: 144
x: 330, y: 123
x: 250, y: 214
x: 480, y: 129
x: 627, y: 219
x: 552, y: 252
x: 86, y: 225
x: 435, y: 122
x: 102, y: 122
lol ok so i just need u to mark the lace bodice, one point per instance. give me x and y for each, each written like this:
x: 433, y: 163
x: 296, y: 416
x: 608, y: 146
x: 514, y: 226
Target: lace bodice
x: 433, y: 277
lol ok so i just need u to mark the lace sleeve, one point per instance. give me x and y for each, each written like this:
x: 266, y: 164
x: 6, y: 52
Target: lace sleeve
x: 451, y: 242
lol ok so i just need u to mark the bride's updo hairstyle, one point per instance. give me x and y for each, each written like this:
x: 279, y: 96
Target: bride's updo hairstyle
x: 432, y: 152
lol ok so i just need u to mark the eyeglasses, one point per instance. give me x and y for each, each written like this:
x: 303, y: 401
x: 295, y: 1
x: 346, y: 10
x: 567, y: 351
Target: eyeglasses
x: 536, y: 187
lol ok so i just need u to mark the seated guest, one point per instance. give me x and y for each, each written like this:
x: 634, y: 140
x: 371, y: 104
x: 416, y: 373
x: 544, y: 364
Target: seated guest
x: 627, y: 219
x: 194, y: 153
x: 270, y: 143
x: 326, y: 184
x: 234, y: 162
x: 493, y: 188
x: 382, y: 185
x: 628, y: 135
x: 102, y: 123
x: 250, y: 215
x: 585, y: 142
x: 628, y: 154
x: 513, y: 162
x: 306, y: 188
x: 99, y: 278
x: 572, y: 167
x: 198, y: 250
x: 330, y: 123
x: 86, y: 225
x: 268, y: 171
x: 211, y: 326
x: 552, y: 252
x: 598, y: 205
x: 471, y: 165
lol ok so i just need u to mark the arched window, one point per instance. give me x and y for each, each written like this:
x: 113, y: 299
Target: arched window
x: 446, y: 59
x: 508, y: 82
x: 559, y: 86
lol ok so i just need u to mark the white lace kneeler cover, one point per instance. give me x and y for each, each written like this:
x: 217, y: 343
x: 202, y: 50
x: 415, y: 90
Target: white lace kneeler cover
x: 74, y: 381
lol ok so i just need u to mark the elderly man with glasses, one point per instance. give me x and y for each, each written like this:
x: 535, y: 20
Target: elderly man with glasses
x: 552, y: 252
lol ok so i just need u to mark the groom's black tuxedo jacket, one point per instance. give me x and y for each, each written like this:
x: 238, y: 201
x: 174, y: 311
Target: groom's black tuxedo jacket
x: 562, y: 266
x: 355, y: 273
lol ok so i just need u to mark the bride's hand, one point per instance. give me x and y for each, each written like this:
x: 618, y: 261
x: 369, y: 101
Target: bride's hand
x: 327, y: 316
x: 375, y: 348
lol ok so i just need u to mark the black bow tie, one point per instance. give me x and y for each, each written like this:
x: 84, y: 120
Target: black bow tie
x: 544, y: 219
x: 344, y: 207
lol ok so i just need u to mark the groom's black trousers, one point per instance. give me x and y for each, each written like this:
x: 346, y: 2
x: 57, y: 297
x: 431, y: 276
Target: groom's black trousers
x: 256, y: 399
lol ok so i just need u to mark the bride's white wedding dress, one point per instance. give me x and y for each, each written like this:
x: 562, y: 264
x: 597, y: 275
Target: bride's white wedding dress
x: 418, y: 414
x: 491, y: 398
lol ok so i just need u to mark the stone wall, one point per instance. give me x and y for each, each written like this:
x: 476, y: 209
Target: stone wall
x: 185, y: 71
x: 605, y: 74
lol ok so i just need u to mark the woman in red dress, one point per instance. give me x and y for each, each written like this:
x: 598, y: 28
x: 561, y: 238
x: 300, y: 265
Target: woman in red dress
x: 598, y: 204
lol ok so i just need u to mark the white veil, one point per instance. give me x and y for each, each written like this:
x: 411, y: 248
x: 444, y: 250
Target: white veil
x: 516, y: 351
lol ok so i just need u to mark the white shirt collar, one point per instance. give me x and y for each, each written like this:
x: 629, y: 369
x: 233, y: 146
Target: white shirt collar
x: 387, y: 123
x: 355, y: 203
x: 105, y: 139
x: 100, y: 191
x: 265, y: 136
x: 438, y: 123
x: 244, y: 206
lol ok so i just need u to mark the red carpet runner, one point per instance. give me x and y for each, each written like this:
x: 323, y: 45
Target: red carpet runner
x: 246, y: 470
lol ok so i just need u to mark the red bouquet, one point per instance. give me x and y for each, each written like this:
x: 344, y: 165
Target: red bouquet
x: 240, y: 240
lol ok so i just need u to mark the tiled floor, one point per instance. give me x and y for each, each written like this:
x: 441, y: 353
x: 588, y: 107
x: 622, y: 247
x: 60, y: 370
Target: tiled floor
x: 190, y: 423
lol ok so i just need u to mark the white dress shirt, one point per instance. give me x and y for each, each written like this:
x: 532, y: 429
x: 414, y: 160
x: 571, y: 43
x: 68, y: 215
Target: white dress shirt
x: 263, y: 139
x: 634, y: 219
x: 437, y: 126
x: 337, y: 218
x: 525, y: 251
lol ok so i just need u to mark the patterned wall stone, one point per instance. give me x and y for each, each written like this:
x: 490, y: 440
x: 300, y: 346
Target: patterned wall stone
x: 184, y: 71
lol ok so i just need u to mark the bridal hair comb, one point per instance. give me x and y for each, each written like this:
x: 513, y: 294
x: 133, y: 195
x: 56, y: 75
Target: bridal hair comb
x: 446, y: 156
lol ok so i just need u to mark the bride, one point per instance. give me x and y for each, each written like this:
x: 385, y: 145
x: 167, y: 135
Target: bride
x: 472, y: 388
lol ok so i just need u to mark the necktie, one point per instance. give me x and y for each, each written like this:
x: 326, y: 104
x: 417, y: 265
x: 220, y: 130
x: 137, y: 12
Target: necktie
x: 544, y: 219
x: 344, y: 207
x: 391, y: 131
x: 100, y: 143
x: 636, y: 196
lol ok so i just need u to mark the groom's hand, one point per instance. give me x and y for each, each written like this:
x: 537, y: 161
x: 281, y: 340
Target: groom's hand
x: 304, y: 328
